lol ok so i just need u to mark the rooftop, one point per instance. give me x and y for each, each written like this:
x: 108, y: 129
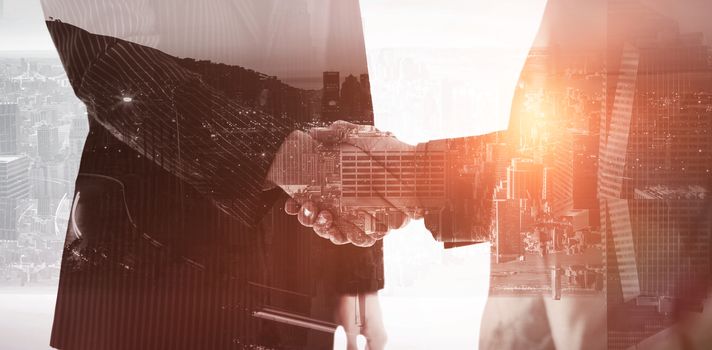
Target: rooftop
x: 8, y: 159
x: 666, y: 192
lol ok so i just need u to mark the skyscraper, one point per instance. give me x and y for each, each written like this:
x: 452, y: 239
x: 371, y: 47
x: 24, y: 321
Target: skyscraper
x: 47, y: 141
x: 524, y: 179
x: 574, y: 173
x: 657, y: 155
x: 366, y: 101
x: 14, y: 186
x: 351, y: 99
x: 330, y: 103
x: 77, y: 134
x: 498, y: 155
x: 654, y: 175
x: 562, y: 175
x: 8, y: 128
x: 48, y: 186
x: 508, y: 216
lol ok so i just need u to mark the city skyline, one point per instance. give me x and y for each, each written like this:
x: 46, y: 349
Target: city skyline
x: 601, y: 192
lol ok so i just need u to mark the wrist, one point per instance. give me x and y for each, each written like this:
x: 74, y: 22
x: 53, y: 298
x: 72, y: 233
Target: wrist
x: 291, y: 156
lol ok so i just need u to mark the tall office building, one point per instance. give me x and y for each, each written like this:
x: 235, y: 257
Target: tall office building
x: 330, y: 103
x: 562, y: 175
x: 8, y: 128
x: 48, y: 186
x: 14, y: 186
x: 585, y: 168
x: 77, y: 135
x: 508, y: 217
x: 366, y: 100
x: 407, y: 179
x: 524, y: 179
x: 573, y: 182
x: 351, y: 99
x: 498, y: 156
x: 653, y: 147
x: 398, y: 173
x: 655, y: 167
x: 47, y: 141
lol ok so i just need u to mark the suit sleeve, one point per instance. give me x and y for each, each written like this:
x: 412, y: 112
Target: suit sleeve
x: 145, y: 98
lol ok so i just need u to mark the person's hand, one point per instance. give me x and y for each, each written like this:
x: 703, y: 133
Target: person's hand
x: 309, y: 168
x: 353, y: 183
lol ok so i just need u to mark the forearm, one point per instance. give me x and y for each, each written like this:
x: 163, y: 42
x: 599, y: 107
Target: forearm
x: 461, y: 210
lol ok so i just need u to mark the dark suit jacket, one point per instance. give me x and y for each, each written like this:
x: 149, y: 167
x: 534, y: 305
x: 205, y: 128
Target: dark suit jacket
x: 165, y: 247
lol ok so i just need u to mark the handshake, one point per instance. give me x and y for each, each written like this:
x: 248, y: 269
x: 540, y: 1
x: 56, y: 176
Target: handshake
x: 353, y: 183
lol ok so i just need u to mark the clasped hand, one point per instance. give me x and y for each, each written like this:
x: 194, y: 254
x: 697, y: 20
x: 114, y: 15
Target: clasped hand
x: 328, y: 173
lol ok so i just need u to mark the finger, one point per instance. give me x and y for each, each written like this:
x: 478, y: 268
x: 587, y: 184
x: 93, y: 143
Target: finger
x: 337, y: 237
x: 308, y: 213
x: 324, y: 219
x: 343, y: 125
x: 291, y: 206
x: 374, y: 226
x: 378, y: 235
x: 360, y: 238
x: 326, y: 136
x: 354, y: 234
x: 323, y: 232
x: 323, y: 224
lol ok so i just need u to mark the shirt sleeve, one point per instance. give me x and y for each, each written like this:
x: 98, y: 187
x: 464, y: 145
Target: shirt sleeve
x: 144, y: 97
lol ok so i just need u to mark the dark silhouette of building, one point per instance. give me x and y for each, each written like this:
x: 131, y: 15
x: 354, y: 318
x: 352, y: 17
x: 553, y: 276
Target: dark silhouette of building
x: 366, y: 100
x: 331, y: 97
x: 351, y: 108
x: 260, y: 91
x: 574, y: 173
x: 507, y: 228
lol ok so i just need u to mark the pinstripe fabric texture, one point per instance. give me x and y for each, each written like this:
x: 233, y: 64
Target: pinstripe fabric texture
x: 288, y: 39
x: 158, y: 266
x: 166, y: 240
x: 192, y: 128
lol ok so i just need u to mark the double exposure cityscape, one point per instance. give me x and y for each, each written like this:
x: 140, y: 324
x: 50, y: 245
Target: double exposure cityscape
x: 599, y: 188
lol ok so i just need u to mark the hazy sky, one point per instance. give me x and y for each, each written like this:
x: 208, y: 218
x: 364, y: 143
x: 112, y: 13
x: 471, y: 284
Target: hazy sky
x: 581, y: 23
x: 295, y: 40
x: 22, y: 27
